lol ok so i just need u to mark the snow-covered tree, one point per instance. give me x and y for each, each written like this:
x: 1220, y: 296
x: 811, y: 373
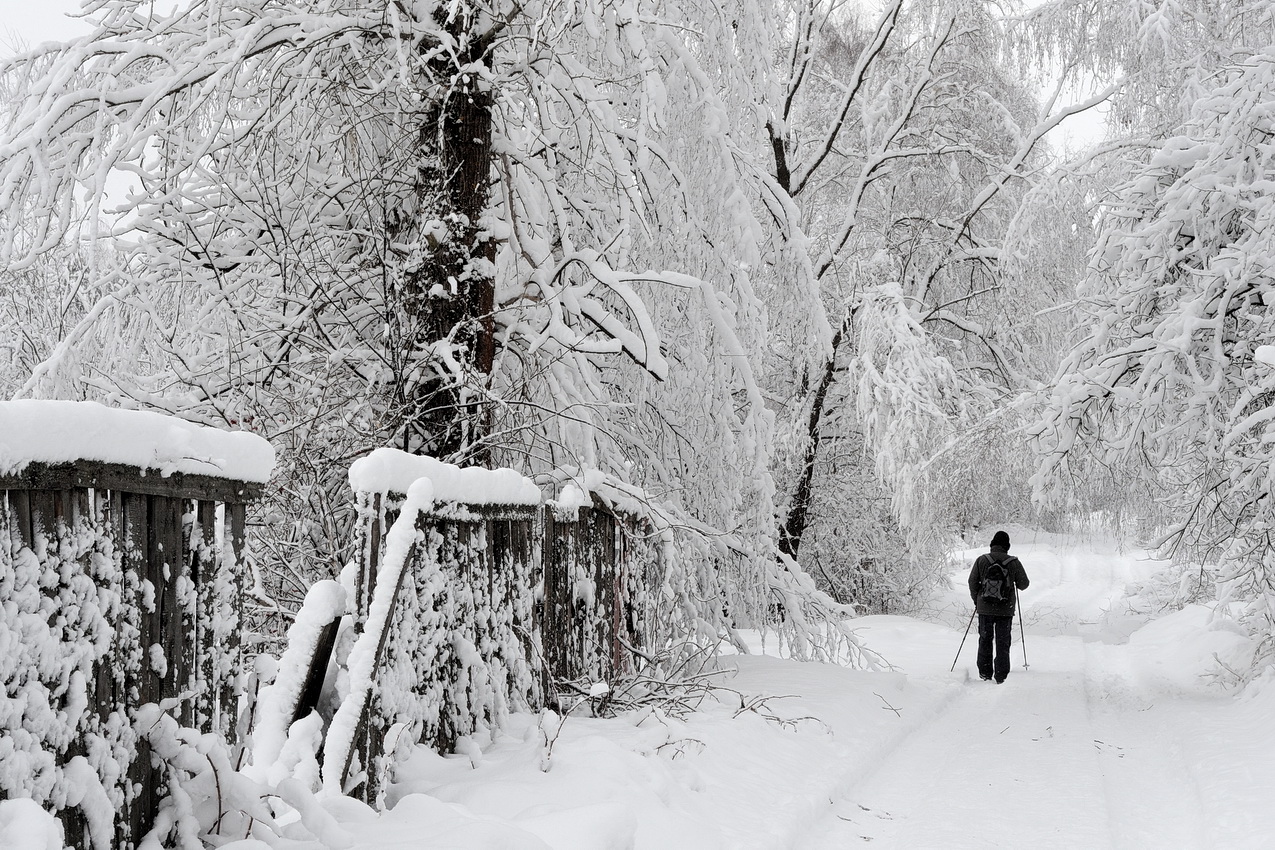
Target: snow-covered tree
x: 348, y: 223
x: 919, y: 223
x: 1172, y: 383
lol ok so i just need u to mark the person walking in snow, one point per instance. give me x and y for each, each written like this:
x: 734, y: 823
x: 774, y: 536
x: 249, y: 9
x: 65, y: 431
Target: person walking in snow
x: 994, y: 579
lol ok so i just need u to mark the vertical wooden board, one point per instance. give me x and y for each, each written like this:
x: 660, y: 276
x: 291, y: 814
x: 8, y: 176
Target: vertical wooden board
x: 237, y: 530
x: 71, y: 508
x: 558, y: 603
x: 108, y: 693
x: 203, y: 643
x: 495, y: 556
x: 7, y: 518
x: 185, y: 648
x: 176, y: 647
x: 548, y: 617
x: 533, y: 626
x: 43, y: 521
x: 165, y: 568
x: 370, y: 555
x: 199, y: 643
x: 620, y: 658
x: 152, y: 568
x: 20, y: 504
x: 494, y: 553
x: 615, y: 650
x: 59, y: 527
x: 597, y: 643
x: 141, y: 686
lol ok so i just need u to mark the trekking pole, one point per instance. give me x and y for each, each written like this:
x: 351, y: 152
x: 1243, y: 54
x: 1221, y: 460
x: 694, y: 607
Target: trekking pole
x: 1022, y: 634
x: 962, y: 646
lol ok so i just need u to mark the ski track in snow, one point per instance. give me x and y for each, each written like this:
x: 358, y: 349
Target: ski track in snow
x: 992, y: 749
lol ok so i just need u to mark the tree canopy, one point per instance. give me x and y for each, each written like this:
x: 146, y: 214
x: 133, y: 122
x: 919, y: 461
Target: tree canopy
x: 803, y: 273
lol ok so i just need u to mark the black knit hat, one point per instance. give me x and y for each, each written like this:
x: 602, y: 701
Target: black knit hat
x: 1000, y: 540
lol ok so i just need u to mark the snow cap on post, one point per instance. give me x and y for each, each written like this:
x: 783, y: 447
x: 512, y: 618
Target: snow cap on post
x: 569, y: 502
x: 393, y: 471
x: 53, y: 432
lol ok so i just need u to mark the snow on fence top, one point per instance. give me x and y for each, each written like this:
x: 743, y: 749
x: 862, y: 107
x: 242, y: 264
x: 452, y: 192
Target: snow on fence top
x: 393, y: 471
x: 53, y: 432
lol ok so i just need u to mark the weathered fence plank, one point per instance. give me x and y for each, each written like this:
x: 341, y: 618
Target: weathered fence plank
x: 96, y: 475
x: 495, y: 605
x: 586, y: 590
x: 147, y: 564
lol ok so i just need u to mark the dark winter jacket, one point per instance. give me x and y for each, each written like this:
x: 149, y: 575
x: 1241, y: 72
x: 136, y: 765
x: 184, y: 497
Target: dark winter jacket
x: 1017, y: 576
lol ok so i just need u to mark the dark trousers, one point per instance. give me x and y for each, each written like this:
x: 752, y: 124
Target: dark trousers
x: 997, y: 632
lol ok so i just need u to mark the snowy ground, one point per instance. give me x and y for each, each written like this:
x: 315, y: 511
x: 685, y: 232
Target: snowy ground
x: 1114, y: 737
x: 1106, y: 740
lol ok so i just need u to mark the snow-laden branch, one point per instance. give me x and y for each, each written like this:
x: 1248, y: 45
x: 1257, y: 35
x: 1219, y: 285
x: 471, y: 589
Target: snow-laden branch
x: 863, y: 65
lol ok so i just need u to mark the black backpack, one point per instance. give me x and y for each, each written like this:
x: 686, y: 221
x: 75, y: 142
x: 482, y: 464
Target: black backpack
x: 996, y: 586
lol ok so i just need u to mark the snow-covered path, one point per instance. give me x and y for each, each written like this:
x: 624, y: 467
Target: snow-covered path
x: 1069, y: 754
x: 986, y: 770
x: 1095, y: 745
x: 1113, y: 738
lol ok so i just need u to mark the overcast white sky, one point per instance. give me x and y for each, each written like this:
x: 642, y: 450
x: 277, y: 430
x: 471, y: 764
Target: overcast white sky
x: 29, y: 22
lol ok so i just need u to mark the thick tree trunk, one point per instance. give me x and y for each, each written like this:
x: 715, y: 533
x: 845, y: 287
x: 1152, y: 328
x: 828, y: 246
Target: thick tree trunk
x: 450, y: 296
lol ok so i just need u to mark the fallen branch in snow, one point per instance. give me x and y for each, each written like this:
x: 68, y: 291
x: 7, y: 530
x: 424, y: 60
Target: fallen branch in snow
x: 887, y: 704
x: 757, y: 704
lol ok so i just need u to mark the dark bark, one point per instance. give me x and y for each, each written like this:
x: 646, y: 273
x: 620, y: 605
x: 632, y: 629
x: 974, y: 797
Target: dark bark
x: 794, y: 526
x: 448, y: 296
x: 783, y: 176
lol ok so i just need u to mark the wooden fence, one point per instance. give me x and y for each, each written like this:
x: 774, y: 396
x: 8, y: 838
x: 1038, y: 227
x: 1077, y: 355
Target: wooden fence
x: 118, y: 588
x: 497, y: 607
x: 599, y: 568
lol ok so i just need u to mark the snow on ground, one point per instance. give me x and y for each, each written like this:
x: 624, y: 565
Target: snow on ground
x: 1115, y: 736
x: 1106, y: 740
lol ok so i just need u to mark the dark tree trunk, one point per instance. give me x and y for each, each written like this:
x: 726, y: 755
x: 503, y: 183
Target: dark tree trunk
x: 794, y: 526
x: 450, y: 296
